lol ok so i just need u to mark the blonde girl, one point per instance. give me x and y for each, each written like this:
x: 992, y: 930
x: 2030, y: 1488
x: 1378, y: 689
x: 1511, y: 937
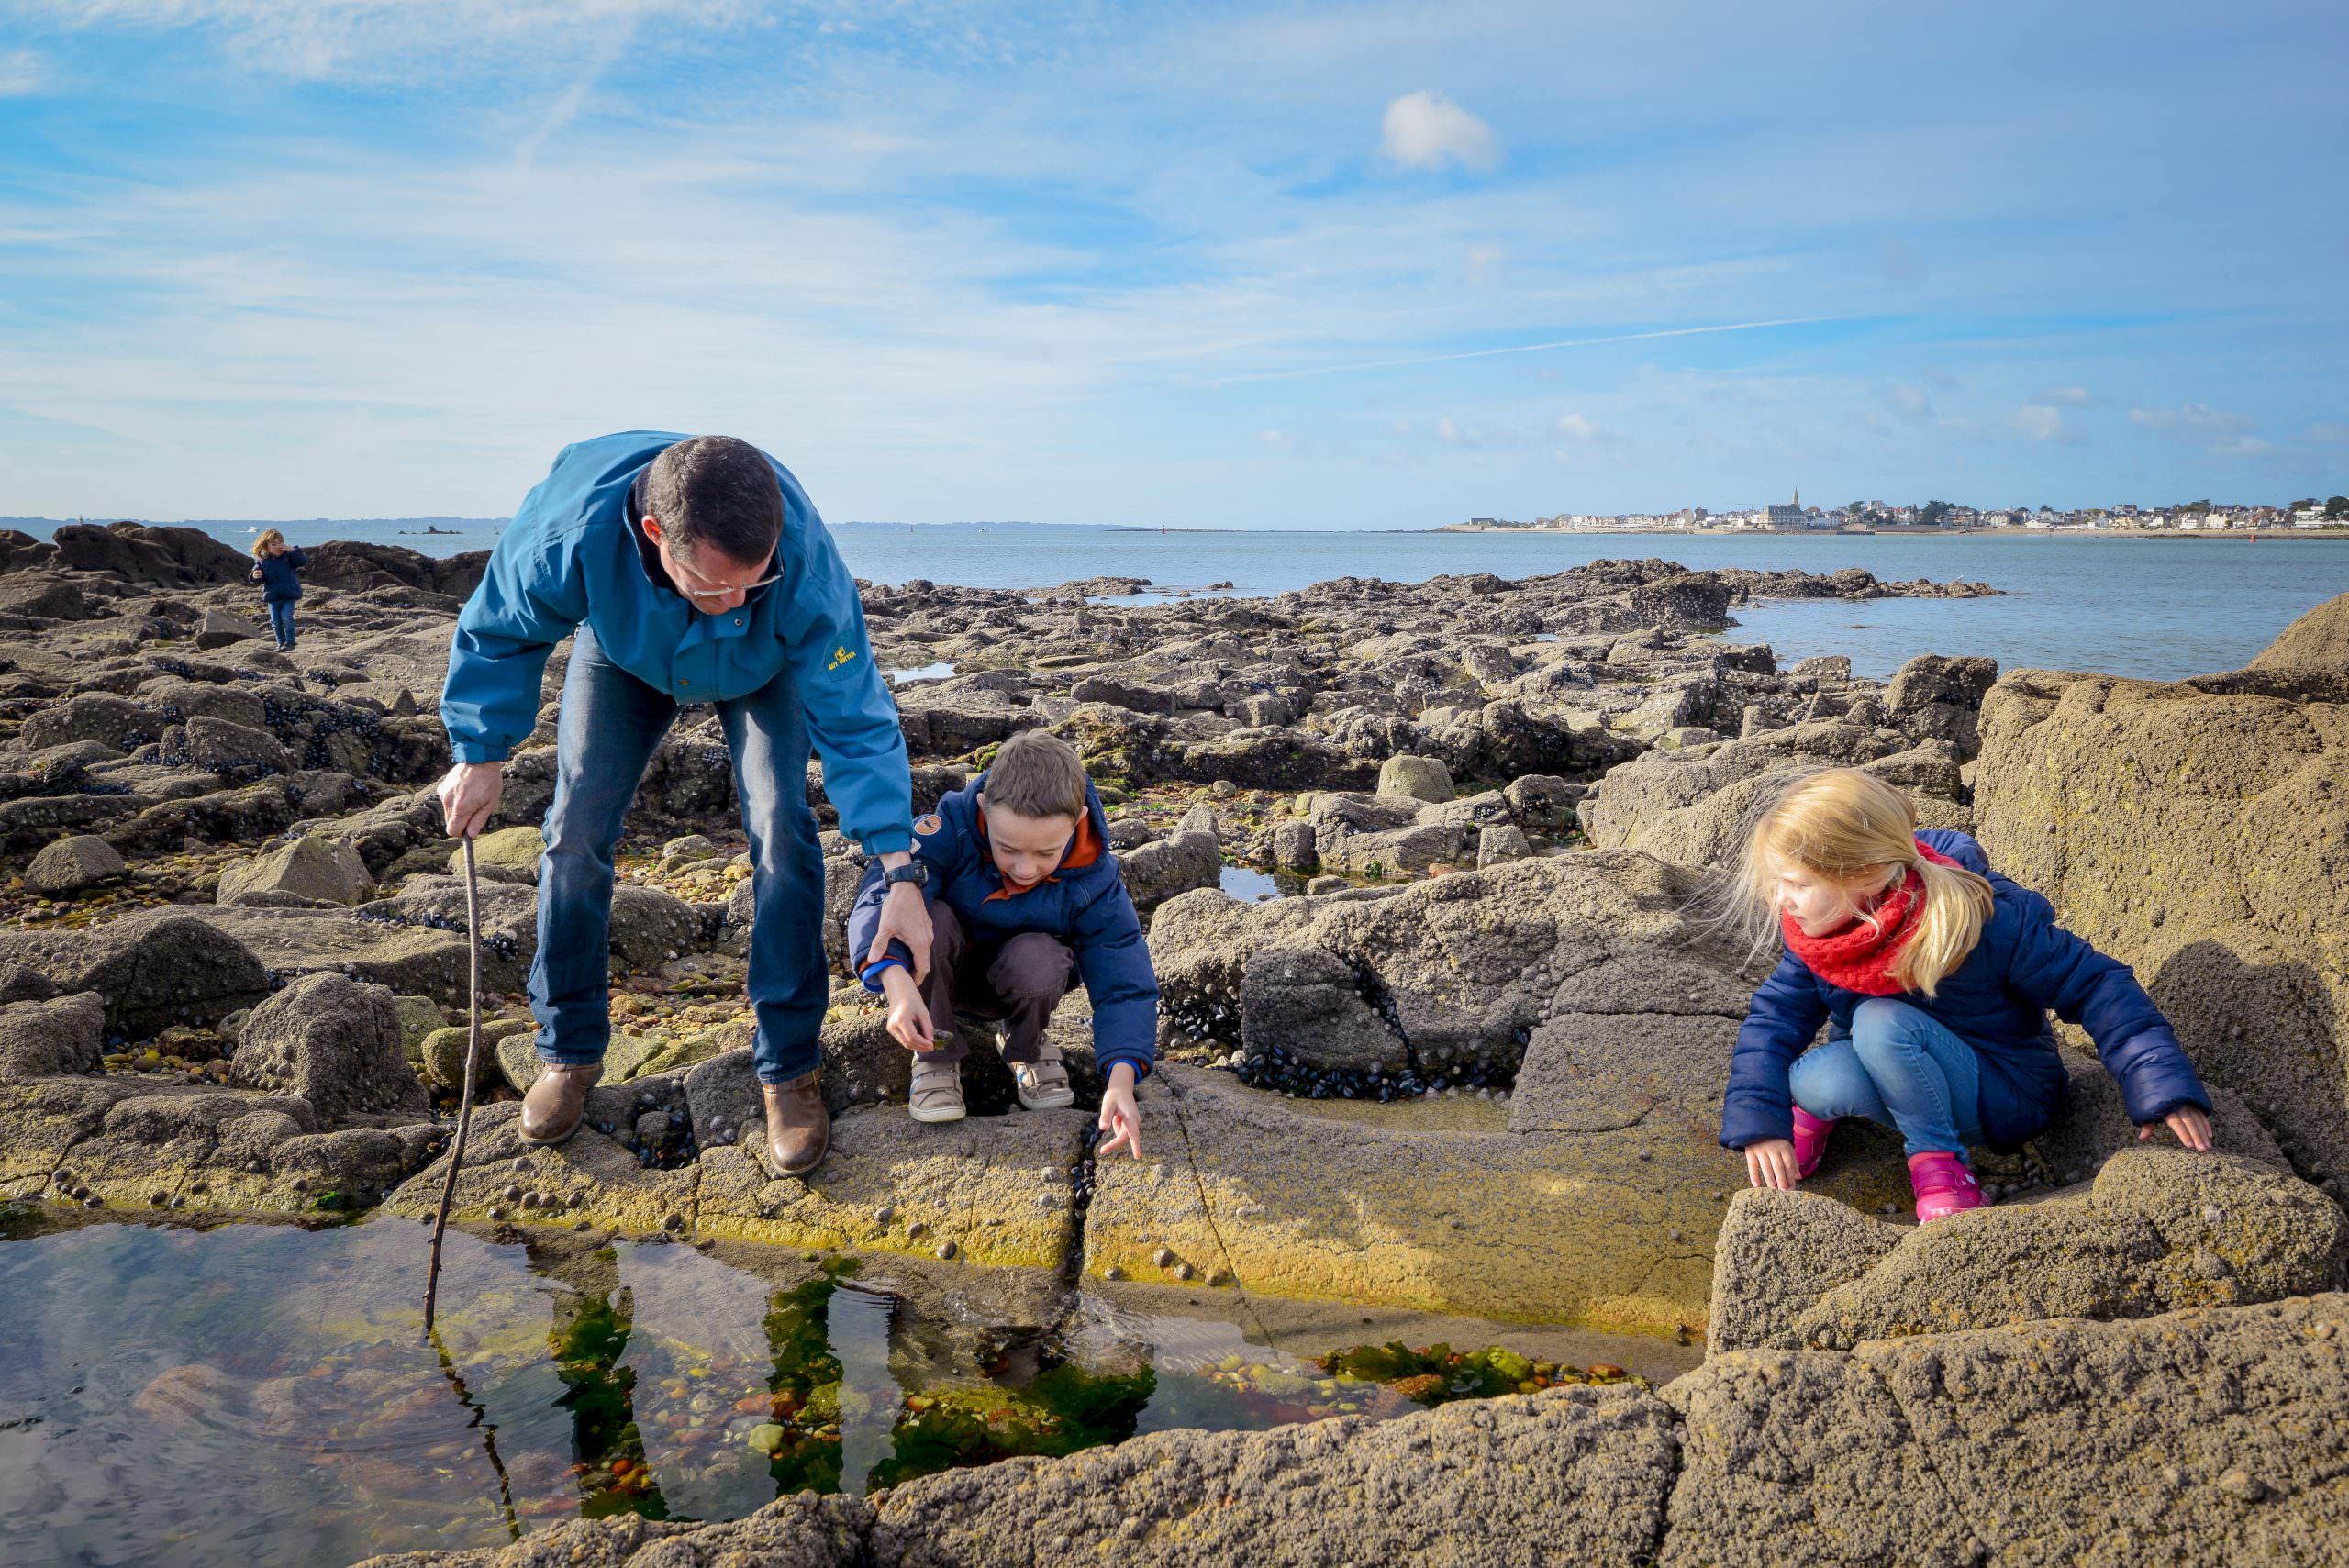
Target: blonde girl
x: 1934, y: 975
x: 274, y: 565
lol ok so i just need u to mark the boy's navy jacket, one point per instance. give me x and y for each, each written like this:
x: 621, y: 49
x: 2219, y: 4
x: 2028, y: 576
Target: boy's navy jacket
x: 278, y: 584
x: 570, y: 556
x: 1084, y: 904
x: 1997, y: 1002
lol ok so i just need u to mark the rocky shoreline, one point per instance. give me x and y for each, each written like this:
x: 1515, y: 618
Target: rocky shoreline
x: 231, y: 953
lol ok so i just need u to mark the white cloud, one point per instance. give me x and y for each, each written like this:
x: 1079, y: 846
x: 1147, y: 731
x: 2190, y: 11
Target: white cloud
x: 1279, y: 441
x: 1428, y: 130
x: 2244, y: 445
x: 1447, y: 430
x: 2329, y: 434
x: 2073, y: 396
x: 1909, y: 402
x: 1576, y: 428
x: 21, y: 72
x: 2192, y: 417
x: 1484, y: 263
x: 2038, y: 422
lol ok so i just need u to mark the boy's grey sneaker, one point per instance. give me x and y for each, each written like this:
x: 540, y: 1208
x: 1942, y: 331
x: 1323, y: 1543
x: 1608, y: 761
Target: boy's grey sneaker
x: 1044, y: 1083
x: 937, y: 1090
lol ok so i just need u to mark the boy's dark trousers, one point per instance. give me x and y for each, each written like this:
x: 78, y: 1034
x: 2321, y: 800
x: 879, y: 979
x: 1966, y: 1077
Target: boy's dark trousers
x: 1018, y: 980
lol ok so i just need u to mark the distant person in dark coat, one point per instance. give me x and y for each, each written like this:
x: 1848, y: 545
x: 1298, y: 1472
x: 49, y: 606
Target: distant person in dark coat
x: 274, y: 565
x: 1935, y: 975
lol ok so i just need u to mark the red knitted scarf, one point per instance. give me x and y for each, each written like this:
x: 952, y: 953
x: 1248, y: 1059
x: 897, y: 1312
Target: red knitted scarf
x: 1858, y: 956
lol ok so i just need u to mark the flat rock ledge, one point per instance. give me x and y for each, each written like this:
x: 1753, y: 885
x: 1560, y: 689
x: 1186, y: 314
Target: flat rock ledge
x: 2205, y: 1435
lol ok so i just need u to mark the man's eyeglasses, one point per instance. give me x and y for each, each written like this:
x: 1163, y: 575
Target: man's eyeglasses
x: 721, y: 593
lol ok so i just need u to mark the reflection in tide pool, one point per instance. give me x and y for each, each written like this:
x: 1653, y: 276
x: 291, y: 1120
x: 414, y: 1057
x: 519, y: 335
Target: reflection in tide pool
x: 937, y: 671
x: 260, y: 1393
x: 1248, y: 885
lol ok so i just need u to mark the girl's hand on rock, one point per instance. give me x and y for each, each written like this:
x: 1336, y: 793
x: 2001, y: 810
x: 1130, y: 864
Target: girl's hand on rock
x: 2193, y: 1129
x: 1119, y: 1117
x: 1771, y: 1163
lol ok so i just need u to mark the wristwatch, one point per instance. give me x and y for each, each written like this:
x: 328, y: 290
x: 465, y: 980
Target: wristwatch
x: 914, y: 871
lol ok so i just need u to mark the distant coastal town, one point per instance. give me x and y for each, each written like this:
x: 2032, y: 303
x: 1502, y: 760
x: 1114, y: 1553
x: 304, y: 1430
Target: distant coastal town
x: 1941, y: 517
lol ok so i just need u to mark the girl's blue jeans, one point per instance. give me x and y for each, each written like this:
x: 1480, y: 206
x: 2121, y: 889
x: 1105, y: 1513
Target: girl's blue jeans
x: 281, y: 620
x: 1899, y: 1066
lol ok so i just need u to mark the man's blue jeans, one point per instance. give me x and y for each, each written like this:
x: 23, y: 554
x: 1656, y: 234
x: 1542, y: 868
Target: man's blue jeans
x: 1902, y: 1067
x: 611, y: 723
x: 281, y: 620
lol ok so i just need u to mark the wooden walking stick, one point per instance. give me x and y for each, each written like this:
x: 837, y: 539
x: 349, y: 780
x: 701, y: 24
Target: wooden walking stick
x: 465, y: 1102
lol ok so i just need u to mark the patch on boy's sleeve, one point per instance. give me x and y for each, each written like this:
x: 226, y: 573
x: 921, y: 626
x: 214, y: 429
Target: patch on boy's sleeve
x: 924, y: 827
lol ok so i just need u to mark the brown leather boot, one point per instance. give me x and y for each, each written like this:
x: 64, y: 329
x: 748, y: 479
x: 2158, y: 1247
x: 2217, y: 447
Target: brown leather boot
x: 798, y: 1130
x: 552, y: 1110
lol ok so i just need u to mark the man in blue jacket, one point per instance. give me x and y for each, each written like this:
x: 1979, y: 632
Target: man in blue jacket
x: 686, y: 570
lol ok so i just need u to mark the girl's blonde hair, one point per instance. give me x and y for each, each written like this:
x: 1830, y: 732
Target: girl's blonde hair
x: 1843, y: 824
x: 269, y: 543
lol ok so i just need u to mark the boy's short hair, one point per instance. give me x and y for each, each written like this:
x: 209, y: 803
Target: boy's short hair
x: 1037, y: 774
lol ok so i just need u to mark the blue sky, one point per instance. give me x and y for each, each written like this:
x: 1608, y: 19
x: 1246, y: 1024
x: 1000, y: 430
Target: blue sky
x: 1318, y: 264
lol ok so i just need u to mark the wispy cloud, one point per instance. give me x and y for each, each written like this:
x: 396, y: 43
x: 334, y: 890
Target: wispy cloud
x: 1575, y: 427
x: 1428, y: 130
x: 2069, y: 397
x: 2039, y: 422
x: 22, y: 72
x: 1517, y: 349
x: 1902, y: 262
x: 1484, y: 263
x: 2192, y: 417
x: 1909, y: 402
x: 385, y: 38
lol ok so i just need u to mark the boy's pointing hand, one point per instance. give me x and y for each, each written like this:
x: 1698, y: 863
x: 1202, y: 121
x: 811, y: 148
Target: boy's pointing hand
x: 910, y: 1021
x: 1120, y: 1116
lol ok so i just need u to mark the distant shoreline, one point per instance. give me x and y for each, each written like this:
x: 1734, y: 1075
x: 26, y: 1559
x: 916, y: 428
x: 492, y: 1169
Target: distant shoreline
x: 2340, y: 533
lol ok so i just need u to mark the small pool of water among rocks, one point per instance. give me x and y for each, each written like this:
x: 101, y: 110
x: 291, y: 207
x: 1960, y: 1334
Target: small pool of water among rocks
x: 258, y: 1393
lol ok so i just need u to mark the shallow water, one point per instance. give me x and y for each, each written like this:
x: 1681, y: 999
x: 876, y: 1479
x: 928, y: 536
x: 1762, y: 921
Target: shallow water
x: 261, y: 1393
x: 1248, y: 885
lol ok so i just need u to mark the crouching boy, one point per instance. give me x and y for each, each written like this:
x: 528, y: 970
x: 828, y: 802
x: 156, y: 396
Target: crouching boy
x: 1024, y: 897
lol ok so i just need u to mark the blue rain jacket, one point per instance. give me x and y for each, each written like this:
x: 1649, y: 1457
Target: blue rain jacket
x: 569, y: 557
x: 278, y: 584
x: 1084, y: 903
x: 1997, y: 1002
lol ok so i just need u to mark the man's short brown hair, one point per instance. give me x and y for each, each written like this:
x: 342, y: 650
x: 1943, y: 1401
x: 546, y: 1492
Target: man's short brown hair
x: 718, y: 491
x: 1037, y: 774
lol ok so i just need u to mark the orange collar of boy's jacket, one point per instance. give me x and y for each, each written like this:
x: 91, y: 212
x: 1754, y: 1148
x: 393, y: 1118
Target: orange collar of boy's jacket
x: 1083, y: 850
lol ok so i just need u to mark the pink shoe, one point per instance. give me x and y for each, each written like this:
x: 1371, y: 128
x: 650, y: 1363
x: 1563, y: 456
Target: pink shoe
x: 1942, y: 1185
x: 1811, y: 1141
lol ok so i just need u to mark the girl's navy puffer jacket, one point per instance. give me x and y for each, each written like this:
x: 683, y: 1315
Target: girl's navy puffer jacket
x: 1997, y: 1001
